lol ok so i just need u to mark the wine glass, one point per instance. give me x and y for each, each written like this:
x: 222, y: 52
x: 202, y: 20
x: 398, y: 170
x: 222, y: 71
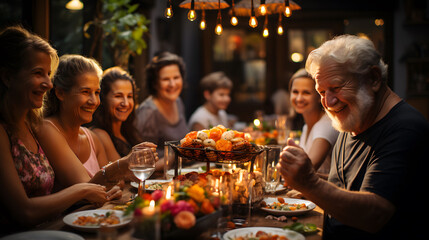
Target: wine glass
x: 142, y: 164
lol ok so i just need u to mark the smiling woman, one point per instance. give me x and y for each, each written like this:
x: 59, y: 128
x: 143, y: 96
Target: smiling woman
x: 113, y: 120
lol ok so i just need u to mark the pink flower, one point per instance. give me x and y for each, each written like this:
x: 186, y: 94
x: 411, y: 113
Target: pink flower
x: 157, y: 194
x: 167, y: 205
x: 181, y: 206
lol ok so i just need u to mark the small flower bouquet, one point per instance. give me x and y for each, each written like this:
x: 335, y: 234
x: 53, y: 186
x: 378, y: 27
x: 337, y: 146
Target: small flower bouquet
x: 179, y: 212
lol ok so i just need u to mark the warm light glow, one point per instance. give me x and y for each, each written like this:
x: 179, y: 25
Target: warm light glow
x: 168, y: 193
x: 152, y: 204
x: 234, y: 21
x: 218, y: 29
x: 256, y: 122
x: 288, y: 12
x: 280, y: 30
x: 379, y: 22
x: 192, y: 15
x: 253, y: 22
x: 265, y: 33
x: 296, y: 57
x: 203, y: 24
x: 74, y: 5
x: 168, y: 13
x: 263, y: 9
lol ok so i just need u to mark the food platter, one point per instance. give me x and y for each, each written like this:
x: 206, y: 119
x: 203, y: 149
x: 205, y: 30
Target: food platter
x: 309, y: 206
x: 72, y: 217
x: 251, y: 231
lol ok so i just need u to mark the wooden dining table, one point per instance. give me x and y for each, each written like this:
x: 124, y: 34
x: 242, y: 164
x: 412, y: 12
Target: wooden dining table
x: 258, y: 219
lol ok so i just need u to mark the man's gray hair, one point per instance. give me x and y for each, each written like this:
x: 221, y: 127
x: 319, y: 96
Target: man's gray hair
x: 356, y: 54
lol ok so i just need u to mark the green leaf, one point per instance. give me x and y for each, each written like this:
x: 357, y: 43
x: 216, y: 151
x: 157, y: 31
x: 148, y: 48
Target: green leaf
x: 133, y: 7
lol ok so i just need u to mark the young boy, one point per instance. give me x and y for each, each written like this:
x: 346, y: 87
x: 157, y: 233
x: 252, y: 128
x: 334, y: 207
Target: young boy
x: 216, y: 88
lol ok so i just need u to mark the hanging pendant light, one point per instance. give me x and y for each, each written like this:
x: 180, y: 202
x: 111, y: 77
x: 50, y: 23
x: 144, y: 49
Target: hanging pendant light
x: 253, y: 22
x: 74, y: 5
x: 192, y: 15
x: 288, y: 10
x: 168, y: 13
x: 234, y: 20
x: 280, y: 30
x: 263, y: 8
x: 265, y: 32
x: 203, y: 23
x: 218, y: 28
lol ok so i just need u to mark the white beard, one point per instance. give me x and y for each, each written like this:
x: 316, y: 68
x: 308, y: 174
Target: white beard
x: 364, y: 101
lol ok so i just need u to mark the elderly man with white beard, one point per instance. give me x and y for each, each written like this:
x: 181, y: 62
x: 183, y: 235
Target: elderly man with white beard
x: 377, y: 176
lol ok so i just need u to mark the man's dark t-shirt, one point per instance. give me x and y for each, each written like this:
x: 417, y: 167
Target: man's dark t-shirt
x: 389, y: 159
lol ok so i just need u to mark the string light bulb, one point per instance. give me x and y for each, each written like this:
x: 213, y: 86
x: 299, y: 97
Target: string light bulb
x: 203, y: 20
x: 280, y: 30
x: 265, y: 32
x: 288, y: 11
x: 192, y: 15
x: 263, y: 8
x: 218, y: 28
x: 253, y: 22
x: 168, y: 13
x: 234, y: 20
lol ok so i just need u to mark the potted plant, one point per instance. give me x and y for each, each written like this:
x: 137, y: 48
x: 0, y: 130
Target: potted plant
x: 124, y: 28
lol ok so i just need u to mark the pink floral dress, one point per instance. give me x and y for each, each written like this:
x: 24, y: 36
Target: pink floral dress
x: 34, y: 170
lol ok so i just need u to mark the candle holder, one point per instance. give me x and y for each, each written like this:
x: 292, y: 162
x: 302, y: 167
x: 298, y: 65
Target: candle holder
x: 148, y: 225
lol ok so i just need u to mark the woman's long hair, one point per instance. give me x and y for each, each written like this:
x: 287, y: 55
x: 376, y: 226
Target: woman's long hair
x: 102, y: 117
x: 15, y: 43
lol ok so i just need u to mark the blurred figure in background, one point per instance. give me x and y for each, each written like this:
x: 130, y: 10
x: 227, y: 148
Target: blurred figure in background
x: 318, y: 136
x: 161, y: 117
x: 216, y: 89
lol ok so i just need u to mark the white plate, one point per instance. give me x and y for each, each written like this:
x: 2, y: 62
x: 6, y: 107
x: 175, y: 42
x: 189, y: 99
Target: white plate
x: 240, y: 232
x: 69, y: 219
x: 43, y: 235
x: 310, y: 206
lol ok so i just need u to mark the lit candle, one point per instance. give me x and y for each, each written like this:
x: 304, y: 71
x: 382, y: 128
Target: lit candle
x: 149, y: 211
x: 168, y: 193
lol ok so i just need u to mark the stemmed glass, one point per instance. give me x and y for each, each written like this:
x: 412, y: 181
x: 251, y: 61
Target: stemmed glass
x: 142, y: 164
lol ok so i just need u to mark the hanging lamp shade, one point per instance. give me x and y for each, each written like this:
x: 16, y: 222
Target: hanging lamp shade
x: 243, y: 8
x: 204, y: 4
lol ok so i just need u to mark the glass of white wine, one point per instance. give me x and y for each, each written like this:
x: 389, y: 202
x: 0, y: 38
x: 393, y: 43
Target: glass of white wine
x: 142, y: 164
x: 270, y: 173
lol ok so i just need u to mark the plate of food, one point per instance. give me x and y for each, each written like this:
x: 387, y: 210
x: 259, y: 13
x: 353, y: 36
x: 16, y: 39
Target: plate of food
x: 256, y: 233
x: 287, y: 206
x: 43, y: 235
x: 91, y: 220
x: 153, y: 184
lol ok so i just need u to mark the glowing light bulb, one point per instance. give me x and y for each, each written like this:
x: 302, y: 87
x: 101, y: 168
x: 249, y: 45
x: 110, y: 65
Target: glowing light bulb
x: 263, y: 9
x: 74, y: 5
x: 168, y: 13
x: 253, y: 22
x: 265, y: 33
x: 288, y: 12
x: 203, y: 24
x: 218, y: 29
x: 192, y: 15
x: 234, y: 21
x: 280, y: 30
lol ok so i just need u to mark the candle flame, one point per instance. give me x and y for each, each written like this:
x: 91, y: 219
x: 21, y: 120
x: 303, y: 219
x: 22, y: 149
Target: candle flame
x: 168, y: 193
x: 152, y: 204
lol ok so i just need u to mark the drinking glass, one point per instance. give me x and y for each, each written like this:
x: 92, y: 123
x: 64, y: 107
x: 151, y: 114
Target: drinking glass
x: 142, y: 164
x: 271, y: 174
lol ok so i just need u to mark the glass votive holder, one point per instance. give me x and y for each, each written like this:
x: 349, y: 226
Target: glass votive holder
x: 148, y: 225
